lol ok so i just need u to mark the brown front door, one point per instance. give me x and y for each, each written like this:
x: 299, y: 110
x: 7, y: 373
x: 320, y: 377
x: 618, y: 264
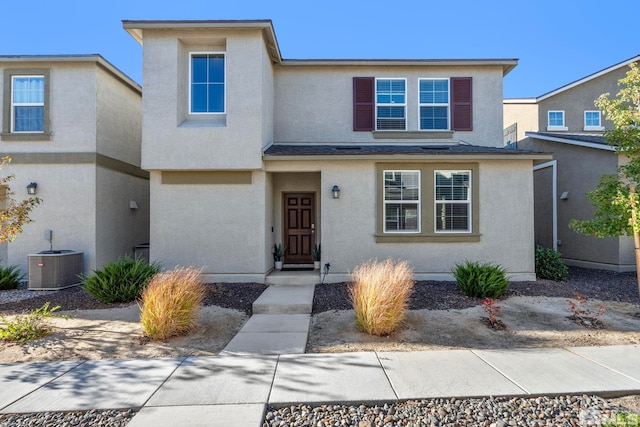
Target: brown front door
x: 299, y: 227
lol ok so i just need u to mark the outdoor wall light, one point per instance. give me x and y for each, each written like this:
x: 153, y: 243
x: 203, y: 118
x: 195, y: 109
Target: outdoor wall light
x: 31, y: 188
x: 335, y: 191
x: 564, y: 195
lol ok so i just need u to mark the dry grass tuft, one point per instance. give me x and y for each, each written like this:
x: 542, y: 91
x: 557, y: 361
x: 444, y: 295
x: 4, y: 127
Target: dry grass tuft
x: 170, y: 303
x: 380, y: 293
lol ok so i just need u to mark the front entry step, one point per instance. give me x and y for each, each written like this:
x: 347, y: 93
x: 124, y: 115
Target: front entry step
x: 295, y: 299
x: 293, y: 278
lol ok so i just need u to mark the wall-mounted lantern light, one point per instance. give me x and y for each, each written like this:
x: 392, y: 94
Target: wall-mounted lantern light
x: 31, y: 188
x: 335, y: 191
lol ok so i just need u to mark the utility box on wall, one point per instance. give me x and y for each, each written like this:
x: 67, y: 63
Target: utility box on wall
x: 52, y: 270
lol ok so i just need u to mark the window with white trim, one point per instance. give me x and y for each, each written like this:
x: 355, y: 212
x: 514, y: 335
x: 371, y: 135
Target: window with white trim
x: 391, y: 104
x: 27, y: 104
x: 592, y: 120
x: 207, y: 83
x: 434, y: 104
x: 452, y: 201
x: 556, y: 120
x: 402, y: 201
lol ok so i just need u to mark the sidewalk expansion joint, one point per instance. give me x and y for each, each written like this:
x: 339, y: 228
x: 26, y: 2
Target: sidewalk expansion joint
x: 514, y: 382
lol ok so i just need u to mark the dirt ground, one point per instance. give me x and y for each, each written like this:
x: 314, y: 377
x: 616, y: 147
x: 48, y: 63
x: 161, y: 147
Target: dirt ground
x: 530, y: 322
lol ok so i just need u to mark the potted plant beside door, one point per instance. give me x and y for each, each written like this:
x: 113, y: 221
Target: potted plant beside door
x: 278, y: 254
x: 316, y: 252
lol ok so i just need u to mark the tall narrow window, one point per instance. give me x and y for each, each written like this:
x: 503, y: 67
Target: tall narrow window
x: 453, y: 201
x: 207, y: 93
x: 27, y: 104
x: 434, y: 104
x: 592, y: 120
x: 402, y: 201
x: 391, y: 104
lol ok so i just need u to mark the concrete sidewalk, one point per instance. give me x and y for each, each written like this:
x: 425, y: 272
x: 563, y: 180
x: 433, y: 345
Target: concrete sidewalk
x: 233, y: 390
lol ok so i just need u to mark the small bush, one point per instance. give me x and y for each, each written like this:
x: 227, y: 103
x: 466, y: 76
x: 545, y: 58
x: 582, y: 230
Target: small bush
x: 379, y: 293
x: 29, y: 326
x: 120, y: 281
x: 170, y: 303
x: 480, y: 280
x: 549, y: 265
x: 10, y: 277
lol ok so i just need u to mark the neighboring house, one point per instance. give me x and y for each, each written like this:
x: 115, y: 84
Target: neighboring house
x: 566, y: 122
x: 72, y: 125
x: 245, y: 149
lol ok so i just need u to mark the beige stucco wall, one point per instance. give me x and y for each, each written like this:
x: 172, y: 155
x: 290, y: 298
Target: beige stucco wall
x: 119, y: 129
x: 68, y: 209
x: 349, y: 223
x: 577, y: 100
x: 525, y: 115
x: 174, y: 139
x: 219, y: 227
x: 307, y: 98
x: 118, y: 227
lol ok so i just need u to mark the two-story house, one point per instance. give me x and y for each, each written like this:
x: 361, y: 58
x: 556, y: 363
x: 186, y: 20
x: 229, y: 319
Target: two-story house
x: 72, y: 126
x: 566, y: 123
x: 378, y: 159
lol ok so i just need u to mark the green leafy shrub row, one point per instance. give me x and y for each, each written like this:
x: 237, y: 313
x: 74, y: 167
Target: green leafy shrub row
x: 10, y: 277
x: 120, y: 281
x: 549, y: 265
x: 481, y: 280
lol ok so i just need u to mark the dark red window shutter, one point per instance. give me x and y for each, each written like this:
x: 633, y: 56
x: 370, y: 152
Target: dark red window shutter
x: 363, y: 103
x: 461, y: 100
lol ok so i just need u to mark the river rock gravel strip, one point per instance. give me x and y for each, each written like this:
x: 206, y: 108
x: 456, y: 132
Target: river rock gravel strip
x: 486, y: 412
x: 106, y: 418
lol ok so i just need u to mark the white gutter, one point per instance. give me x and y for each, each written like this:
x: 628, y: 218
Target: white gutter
x: 553, y: 164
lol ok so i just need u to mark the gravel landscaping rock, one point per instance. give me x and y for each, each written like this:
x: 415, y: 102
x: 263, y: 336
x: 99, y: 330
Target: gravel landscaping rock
x: 490, y: 412
x: 107, y: 418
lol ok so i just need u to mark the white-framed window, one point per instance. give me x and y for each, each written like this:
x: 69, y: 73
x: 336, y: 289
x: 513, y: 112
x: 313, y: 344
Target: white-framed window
x: 391, y: 104
x: 207, y: 88
x: 592, y: 120
x: 434, y: 104
x: 452, y: 201
x: 556, y: 120
x: 401, y: 201
x: 27, y: 104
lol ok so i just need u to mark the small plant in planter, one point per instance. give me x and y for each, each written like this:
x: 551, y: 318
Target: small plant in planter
x: 278, y: 254
x: 493, y: 310
x: 583, y: 313
x: 316, y: 252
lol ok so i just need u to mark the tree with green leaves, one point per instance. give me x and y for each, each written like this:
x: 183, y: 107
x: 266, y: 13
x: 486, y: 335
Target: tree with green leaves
x: 13, y: 214
x: 616, y: 202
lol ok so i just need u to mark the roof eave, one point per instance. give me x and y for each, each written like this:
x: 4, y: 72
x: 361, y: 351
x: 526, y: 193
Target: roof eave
x: 407, y: 157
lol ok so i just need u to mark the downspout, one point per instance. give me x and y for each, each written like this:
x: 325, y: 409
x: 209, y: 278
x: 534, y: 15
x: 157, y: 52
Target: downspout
x: 553, y: 164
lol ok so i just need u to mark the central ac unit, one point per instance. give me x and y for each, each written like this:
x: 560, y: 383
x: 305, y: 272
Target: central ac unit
x: 52, y: 270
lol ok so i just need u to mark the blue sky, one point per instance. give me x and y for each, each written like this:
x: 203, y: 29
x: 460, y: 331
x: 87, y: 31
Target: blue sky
x: 556, y: 41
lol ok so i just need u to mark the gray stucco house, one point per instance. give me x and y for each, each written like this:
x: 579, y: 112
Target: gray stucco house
x: 72, y: 125
x: 566, y: 123
x: 244, y: 149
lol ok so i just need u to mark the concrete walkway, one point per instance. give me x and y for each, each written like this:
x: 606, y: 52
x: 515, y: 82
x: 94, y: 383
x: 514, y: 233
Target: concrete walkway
x: 279, y: 324
x: 233, y: 390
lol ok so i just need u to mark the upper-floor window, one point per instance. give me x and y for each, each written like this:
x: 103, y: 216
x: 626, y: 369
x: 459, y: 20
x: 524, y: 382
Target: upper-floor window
x: 207, y: 83
x: 434, y: 104
x: 556, y: 120
x: 391, y: 104
x: 27, y: 104
x: 592, y: 120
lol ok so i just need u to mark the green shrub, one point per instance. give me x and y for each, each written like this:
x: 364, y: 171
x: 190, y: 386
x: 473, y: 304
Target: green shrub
x: 380, y: 293
x: 120, y: 281
x: 29, y: 326
x: 10, y: 277
x: 549, y: 265
x: 480, y: 280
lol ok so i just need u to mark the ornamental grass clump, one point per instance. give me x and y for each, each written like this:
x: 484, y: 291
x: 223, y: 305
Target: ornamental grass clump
x: 380, y: 293
x: 481, y: 280
x: 120, y: 281
x: 10, y: 277
x: 170, y: 303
